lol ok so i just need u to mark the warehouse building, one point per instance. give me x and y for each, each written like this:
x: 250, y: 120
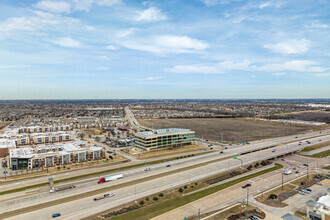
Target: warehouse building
x: 53, y: 155
x: 163, y: 138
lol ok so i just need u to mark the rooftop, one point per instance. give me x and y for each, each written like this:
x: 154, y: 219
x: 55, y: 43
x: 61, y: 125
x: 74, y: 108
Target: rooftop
x: 163, y: 132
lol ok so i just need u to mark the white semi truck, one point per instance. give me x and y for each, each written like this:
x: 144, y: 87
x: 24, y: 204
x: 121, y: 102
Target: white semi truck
x: 109, y: 178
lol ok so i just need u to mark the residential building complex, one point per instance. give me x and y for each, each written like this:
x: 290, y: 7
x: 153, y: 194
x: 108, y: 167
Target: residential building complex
x: 53, y: 155
x: 163, y: 138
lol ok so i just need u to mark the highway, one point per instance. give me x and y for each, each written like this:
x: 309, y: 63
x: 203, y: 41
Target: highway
x: 86, y: 206
x: 232, y: 150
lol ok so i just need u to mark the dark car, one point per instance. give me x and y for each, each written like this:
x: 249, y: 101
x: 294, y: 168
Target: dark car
x: 247, y: 185
x: 221, y: 152
x: 56, y: 215
x: 168, y: 165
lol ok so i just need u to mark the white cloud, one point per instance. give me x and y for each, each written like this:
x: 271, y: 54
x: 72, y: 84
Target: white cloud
x: 150, y: 14
x: 264, y: 5
x: 218, y: 68
x: 110, y: 47
x: 67, y: 42
x: 290, y: 46
x: 151, y: 78
x: 295, y: 65
x: 54, y: 6
x: 278, y: 74
x: 194, y: 69
x: 166, y: 44
x: 322, y: 74
x: 85, y: 5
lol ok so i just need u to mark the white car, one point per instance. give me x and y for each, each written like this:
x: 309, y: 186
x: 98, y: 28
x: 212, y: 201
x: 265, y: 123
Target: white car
x: 109, y: 195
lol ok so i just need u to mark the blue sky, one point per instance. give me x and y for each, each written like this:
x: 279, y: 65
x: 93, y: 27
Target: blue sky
x: 71, y: 49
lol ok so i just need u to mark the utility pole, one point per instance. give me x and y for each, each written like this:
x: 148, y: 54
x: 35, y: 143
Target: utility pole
x: 282, y: 181
x: 199, y: 213
x: 247, y: 195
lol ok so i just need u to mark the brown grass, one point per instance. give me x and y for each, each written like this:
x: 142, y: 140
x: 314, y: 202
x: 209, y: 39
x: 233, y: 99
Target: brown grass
x: 233, y: 129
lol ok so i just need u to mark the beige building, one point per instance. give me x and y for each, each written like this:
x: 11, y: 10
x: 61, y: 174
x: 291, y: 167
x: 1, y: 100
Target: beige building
x: 163, y: 138
x: 53, y: 155
x: 41, y: 129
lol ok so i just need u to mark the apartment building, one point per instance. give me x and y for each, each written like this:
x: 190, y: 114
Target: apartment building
x: 163, y: 138
x: 53, y: 155
x: 41, y: 129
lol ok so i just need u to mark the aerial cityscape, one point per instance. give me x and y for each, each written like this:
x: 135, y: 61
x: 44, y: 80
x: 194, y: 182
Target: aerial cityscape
x: 165, y: 110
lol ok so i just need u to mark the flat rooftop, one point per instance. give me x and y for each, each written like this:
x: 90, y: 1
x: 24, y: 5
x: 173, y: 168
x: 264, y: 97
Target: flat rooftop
x: 163, y: 132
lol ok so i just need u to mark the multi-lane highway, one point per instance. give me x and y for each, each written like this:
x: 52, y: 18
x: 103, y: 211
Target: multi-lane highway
x: 80, y: 207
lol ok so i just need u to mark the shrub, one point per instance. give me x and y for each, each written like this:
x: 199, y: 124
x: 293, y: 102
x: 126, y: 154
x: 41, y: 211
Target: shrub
x: 192, y: 186
x: 249, y: 167
x: 180, y: 190
x: 193, y: 155
x: 141, y: 202
x: 161, y: 195
x: 263, y: 163
x: 273, y: 196
x: 196, y: 184
x: 185, y: 187
x: 155, y: 198
x: 147, y: 199
x: 177, y: 158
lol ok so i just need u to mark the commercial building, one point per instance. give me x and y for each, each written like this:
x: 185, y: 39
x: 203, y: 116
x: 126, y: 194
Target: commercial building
x: 163, y: 138
x: 53, y: 155
x: 320, y: 209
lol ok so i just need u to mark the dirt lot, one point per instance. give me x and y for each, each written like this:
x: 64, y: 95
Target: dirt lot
x: 320, y: 116
x: 234, y: 130
x: 166, y: 152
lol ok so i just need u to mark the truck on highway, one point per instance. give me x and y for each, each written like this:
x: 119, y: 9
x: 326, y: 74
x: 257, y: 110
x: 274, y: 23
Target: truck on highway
x: 52, y: 190
x: 287, y: 172
x: 110, y: 178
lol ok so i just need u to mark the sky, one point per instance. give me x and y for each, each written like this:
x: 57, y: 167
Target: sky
x: 127, y: 49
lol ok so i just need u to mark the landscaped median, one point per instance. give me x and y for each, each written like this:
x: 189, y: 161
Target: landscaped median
x: 164, y: 205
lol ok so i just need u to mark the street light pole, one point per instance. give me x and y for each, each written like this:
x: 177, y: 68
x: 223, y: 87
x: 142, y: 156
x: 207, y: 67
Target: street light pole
x: 282, y: 181
x: 247, y: 195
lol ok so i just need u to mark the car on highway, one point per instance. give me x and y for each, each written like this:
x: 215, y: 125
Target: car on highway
x: 297, y: 171
x: 273, y: 151
x: 247, y: 185
x: 168, y: 165
x: 147, y: 169
x: 221, y: 152
x: 301, y: 193
x: 319, y: 183
x: 226, y: 147
x: 56, y: 215
x: 309, y: 190
x: 109, y: 195
x: 253, y: 218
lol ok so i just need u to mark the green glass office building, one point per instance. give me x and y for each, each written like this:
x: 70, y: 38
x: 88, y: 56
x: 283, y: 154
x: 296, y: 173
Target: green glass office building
x: 163, y: 138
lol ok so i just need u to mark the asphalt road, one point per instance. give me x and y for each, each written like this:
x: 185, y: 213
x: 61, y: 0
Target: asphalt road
x: 86, y: 206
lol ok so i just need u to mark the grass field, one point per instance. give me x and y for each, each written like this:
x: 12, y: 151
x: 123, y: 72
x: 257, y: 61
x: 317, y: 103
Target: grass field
x: 165, y: 206
x: 321, y: 154
x: 233, y: 129
x: 307, y: 149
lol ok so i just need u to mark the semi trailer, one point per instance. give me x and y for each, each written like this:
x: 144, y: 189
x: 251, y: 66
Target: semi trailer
x: 110, y: 178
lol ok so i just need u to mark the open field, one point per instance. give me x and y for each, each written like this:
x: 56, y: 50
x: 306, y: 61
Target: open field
x: 233, y: 129
x: 166, y: 152
x: 320, y: 155
x: 314, y: 147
